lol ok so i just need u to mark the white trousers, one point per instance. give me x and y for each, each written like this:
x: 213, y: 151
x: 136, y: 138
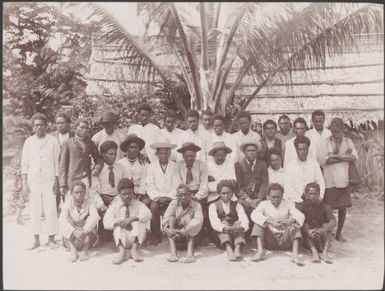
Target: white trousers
x: 43, y: 200
x: 127, y: 237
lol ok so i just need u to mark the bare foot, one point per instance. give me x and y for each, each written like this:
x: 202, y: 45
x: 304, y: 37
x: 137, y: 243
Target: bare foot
x: 326, y: 259
x: 35, y: 245
x: 72, y: 258
x: 118, y: 260
x: 340, y: 238
x: 316, y: 259
x: 135, y: 256
x: 258, y: 257
x: 188, y: 260
x: 238, y: 255
x: 84, y: 257
x: 231, y: 257
x: 172, y: 259
x: 297, y: 261
x: 52, y: 245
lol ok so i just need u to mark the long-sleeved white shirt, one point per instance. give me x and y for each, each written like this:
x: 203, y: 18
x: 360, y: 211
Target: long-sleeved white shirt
x: 225, y: 171
x: 150, y: 133
x: 298, y: 174
x: 196, y: 137
x: 117, y: 136
x: 117, y: 211
x: 173, y: 138
x: 291, y: 153
x: 229, y: 141
x: 87, y: 214
x: 199, y: 173
x: 159, y: 183
x: 276, y: 176
x: 137, y: 172
x: 40, y: 159
x: 285, y: 210
x: 316, y: 138
x: 217, y: 224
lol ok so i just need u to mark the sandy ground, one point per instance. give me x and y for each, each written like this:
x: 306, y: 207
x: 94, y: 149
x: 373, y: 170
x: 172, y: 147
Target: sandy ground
x: 358, y: 264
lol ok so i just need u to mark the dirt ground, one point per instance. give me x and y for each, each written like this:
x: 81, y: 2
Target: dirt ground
x: 358, y: 264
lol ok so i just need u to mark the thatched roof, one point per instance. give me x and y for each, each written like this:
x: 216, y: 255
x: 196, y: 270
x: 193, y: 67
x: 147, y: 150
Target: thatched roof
x: 351, y: 86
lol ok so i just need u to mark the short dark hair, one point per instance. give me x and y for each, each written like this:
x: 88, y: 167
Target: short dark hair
x: 219, y: 117
x: 80, y: 120
x: 317, y: 113
x: 77, y: 183
x: 274, y: 151
x: 269, y: 121
x: 207, y: 112
x: 192, y: 113
x: 125, y: 183
x: 226, y: 183
x: 170, y: 113
x: 145, y: 107
x: 274, y: 186
x: 312, y: 185
x: 300, y: 120
x: 183, y: 186
x: 301, y: 139
x: 63, y: 115
x: 39, y: 116
x: 244, y: 114
x: 108, y: 144
x: 283, y: 116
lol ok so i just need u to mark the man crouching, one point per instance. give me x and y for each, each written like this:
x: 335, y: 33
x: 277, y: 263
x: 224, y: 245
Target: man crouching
x: 182, y: 222
x: 128, y: 217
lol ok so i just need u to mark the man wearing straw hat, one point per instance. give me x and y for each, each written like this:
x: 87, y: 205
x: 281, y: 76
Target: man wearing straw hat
x: 161, y: 184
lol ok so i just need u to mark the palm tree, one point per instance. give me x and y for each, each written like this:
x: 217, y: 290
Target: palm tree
x: 213, y: 40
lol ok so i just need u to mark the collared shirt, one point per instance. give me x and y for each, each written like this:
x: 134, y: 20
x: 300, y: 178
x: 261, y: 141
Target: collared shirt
x: 150, y: 133
x: 63, y: 137
x: 87, y: 214
x: 173, y: 138
x: 240, y: 138
x: 316, y: 138
x: 159, y: 183
x: 229, y: 141
x: 291, y: 153
x: 104, y: 186
x: 336, y: 175
x: 40, y: 158
x: 196, y: 137
x: 217, y: 224
x: 285, y: 210
x: 298, y: 174
x: 220, y: 172
x: 199, y: 174
x: 276, y: 176
x: 117, y: 211
x: 137, y: 172
x: 75, y: 160
x: 284, y: 138
x: 117, y: 136
x: 191, y: 218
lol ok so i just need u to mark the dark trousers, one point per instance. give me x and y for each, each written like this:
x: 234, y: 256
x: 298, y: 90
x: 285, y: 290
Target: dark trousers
x: 157, y: 208
x: 105, y: 235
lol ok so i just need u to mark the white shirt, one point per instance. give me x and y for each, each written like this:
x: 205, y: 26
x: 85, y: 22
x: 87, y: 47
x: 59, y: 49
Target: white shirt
x: 198, y: 138
x: 240, y: 138
x: 336, y: 175
x: 117, y: 136
x: 63, y: 137
x: 199, y: 174
x: 316, y: 137
x: 173, y: 138
x: 150, y: 133
x: 229, y: 141
x: 137, y: 172
x: 285, y: 210
x: 298, y: 174
x: 225, y: 171
x: 217, y: 224
x: 40, y: 159
x: 291, y: 153
x: 276, y: 176
x: 159, y: 183
x: 203, y: 130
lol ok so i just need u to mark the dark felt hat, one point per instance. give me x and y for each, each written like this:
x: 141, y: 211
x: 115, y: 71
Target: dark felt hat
x: 188, y: 146
x: 130, y: 139
x: 109, y: 117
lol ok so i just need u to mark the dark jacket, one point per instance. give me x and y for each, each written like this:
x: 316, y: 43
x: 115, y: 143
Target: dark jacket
x: 263, y: 153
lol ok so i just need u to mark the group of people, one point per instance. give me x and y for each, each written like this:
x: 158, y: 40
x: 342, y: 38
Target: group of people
x: 199, y: 185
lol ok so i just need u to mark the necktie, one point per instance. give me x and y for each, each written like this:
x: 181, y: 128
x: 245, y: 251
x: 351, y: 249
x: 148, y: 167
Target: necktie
x: 127, y: 212
x: 251, y: 165
x: 111, y: 178
x: 189, y: 175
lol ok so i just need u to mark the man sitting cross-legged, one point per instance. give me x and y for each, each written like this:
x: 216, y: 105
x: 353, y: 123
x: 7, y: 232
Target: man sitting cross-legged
x: 229, y: 220
x: 182, y: 222
x: 277, y: 224
x: 319, y: 222
x: 78, y: 222
x: 128, y: 217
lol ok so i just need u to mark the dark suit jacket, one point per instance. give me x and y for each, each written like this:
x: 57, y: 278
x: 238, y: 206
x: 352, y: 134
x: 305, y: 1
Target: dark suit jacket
x: 264, y: 152
x: 255, y: 182
x: 74, y: 163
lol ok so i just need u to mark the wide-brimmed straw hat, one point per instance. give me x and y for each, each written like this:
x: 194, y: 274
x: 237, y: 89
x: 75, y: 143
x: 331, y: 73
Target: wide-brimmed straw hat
x: 256, y: 143
x: 188, y: 146
x: 163, y: 145
x: 130, y: 139
x: 219, y: 145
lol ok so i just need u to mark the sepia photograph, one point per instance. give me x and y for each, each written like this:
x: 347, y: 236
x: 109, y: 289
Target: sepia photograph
x: 193, y: 145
